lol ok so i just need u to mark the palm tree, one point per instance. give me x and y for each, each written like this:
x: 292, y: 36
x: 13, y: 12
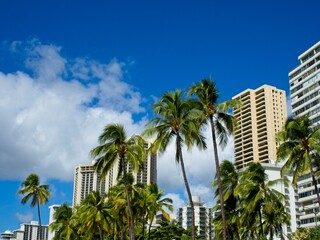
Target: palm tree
x: 176, y: 119
x: 114, y: 146
x: 299, y: 147
x: 117, y: 198
x: 94, y: 214
x: 39, y: 195
x: 257, y: 197
x: 155, y: 203
x: 64, y: 224
x: 222, y: 124
x: 229, y: 180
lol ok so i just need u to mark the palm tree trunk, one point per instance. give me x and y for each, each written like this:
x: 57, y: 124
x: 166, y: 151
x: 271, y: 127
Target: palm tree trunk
x: 261, y: 228
x: 149, y: 229
x: 39, y: 217
x: 193, y: 234
x: 131, y: 220
x: 216, y: 158
x: 315, y: 185
x: 100, y: 233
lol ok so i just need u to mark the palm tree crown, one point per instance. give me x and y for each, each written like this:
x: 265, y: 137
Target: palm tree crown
x: 299, y: 146
x: 38, y: 194
x: 177, y: 119
x: 114, y: 146
x: 221, y: 123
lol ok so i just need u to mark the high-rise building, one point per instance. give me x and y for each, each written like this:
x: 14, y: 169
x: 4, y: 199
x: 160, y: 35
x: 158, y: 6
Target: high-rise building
x: 261, y: 115
x: 87, y: 180
x: 203, y: 218
x: 30, y: 231
x: 305, y: 85
x: 305, y: 99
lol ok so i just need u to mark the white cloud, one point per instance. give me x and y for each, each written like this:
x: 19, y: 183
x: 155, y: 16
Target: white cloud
x: 49, y: 122
x: 52, y: 117
x: 24, y: 218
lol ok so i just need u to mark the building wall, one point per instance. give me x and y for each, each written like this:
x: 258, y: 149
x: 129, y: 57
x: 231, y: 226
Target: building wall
x: 261, y: 116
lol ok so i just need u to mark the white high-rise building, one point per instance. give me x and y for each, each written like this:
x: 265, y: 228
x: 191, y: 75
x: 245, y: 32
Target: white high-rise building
x: 261, y: 115
x: 30, y: 231
x: 203, y: 218
x: 305, y: 99
x: 305, y: 85
x: 87, y: 180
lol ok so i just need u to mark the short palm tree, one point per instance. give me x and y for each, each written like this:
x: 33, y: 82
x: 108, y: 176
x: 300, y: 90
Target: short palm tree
x: 38, y: 194
x: 222, y: 125
x: 299, y: 148
x: 176, y: 119
x: 115, y: 146
x: 155, y: 203
x: 94, y: 214
x: 257, y: 197
x: 64, y: 224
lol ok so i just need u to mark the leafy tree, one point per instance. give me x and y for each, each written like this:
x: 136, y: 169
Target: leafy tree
x: 221, y: 123
x: 38, y: 194
x: 299, y: 147
x: 115, y: 146
x: 168, y: 231
x: 176, y: 119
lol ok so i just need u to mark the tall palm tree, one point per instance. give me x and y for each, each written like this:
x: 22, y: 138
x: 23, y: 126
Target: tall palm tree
x: 94, y: 214
x: 38, y: 194
x: 64, y: 224
x: 299, y: 147
x: 229, y: 180
x: 222, y: 125
x: 114, y: 146
x: 176, y: 119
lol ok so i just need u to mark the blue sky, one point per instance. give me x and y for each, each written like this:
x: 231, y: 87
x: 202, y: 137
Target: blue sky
x: 67, y: 68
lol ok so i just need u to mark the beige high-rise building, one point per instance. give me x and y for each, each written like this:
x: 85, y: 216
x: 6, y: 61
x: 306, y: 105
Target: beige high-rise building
x: 261, y: 115
x: 87, y: 180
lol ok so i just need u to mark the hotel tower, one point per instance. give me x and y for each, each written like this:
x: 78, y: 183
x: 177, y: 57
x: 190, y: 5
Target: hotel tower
x: 87, y: 180
x: 261, y: 115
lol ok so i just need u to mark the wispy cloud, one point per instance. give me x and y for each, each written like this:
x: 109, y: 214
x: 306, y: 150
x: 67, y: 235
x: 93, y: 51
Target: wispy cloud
x: 24, y: 218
